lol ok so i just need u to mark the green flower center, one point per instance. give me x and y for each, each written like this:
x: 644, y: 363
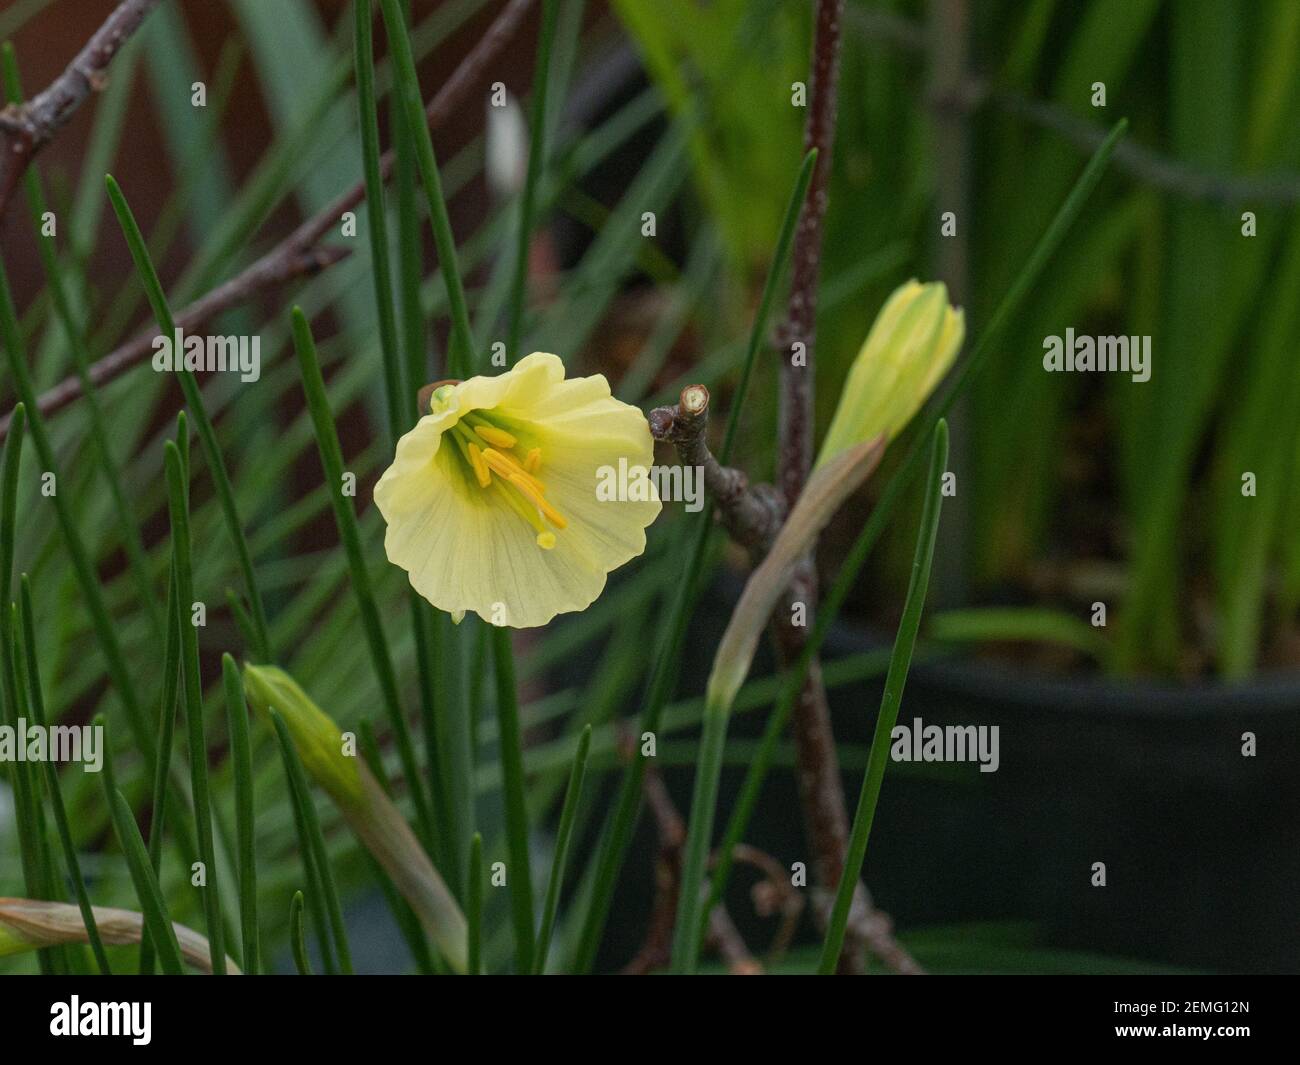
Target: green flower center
x: 489, y: 451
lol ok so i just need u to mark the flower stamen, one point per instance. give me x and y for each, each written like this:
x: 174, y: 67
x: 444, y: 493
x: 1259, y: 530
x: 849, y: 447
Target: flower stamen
x: 484, y: 447
x: 490, y: 433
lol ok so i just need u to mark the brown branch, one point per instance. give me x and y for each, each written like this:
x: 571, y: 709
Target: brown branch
x: 29, y: 127
x: 818, y: 772
x: 656, y: 951
x: 752, y: 516
x: 297, y: 254
x: 772, y: 895
x: 796, y: 417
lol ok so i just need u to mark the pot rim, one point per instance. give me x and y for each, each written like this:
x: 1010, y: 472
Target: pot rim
x: 1276, y: 692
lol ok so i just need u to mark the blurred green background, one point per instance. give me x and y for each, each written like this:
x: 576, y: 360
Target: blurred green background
x: 1072, y: 489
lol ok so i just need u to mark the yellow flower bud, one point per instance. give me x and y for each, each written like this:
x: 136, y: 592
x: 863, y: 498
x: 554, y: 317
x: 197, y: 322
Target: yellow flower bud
x: 912, y: 343
x: 319, y: 741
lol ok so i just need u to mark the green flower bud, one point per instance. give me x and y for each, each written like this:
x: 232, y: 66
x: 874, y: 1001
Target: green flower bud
x: 368, y: 811
x: 913, y: 342
x: 318, y: 740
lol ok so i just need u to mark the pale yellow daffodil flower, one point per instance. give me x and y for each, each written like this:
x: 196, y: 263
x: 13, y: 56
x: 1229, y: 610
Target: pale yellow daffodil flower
x: 491, y: 501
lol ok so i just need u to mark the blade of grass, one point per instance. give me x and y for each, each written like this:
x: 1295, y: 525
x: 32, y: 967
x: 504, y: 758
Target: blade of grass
x: 242, y: 757
x: 315, y: 906
x: 152, y: 904
x: 377, y: 219
x: 194, y: 400
x: 302, y: 797
x: 192, y: 687
x: 39, y: 876
x: 37, y: 708
x: 440, y: 705
x: 128, y: 528
x: 162, y: 764
x: 536, y: 162
x: 512, y: 786
x: 861, y: 548
x: 891, y: 699
x: 331, y: 456
x: 474, y: 906
x: 20, y: 780
x: 399, y: 393
x: 297, y: 935
x: 406, y: 88
x: 696, y: 535
x: 563, y: 837
x: 87, y: 578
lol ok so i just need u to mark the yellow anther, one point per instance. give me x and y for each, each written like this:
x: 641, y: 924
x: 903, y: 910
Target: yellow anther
x: 494, y: 436
x: 538, y: 500
x: 507, y: 466
x: 523, y: 492
x: 481, y: 470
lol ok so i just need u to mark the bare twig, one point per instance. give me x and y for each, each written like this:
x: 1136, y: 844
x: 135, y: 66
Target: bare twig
x: 656, y: 950
x: 772, y: 895
x: 820, y: 790
x: 298, y: 253
x: 29, y: 127
x: 752, y: 516
x: 796, y: 428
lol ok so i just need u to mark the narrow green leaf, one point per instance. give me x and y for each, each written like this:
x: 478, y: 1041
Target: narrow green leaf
x: 241, y: 755
x: 315, y: 904
x: 377, y: 219
x: 1035, y: 624
x: 27, y: 814
x: 474, y: 906
x: 563, y: 837
x: 162, y: 764
x: 194, y: 400
x: 297, y: 935
x: 512, y: 783
x: 192, y: 687
x: 302, y: 797
x: 406, y: 87
x: 536, y: 162
x: 890, y: 701
x: 332, y: 462
x: 152, y: 904
x: 37, y: 707
x: 167, y: 706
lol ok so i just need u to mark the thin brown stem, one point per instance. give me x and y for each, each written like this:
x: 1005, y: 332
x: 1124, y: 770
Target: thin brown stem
x: 723, y: 935
x: 297, y: 255
x: 751, y: 516
x: 27, y: 128
x: 820, y: 790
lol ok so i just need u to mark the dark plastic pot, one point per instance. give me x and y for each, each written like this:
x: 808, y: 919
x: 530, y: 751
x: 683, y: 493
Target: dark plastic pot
x: 1201, y: 844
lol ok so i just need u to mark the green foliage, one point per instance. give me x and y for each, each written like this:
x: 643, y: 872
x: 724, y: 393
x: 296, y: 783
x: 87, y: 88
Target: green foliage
x: 486, y: 748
